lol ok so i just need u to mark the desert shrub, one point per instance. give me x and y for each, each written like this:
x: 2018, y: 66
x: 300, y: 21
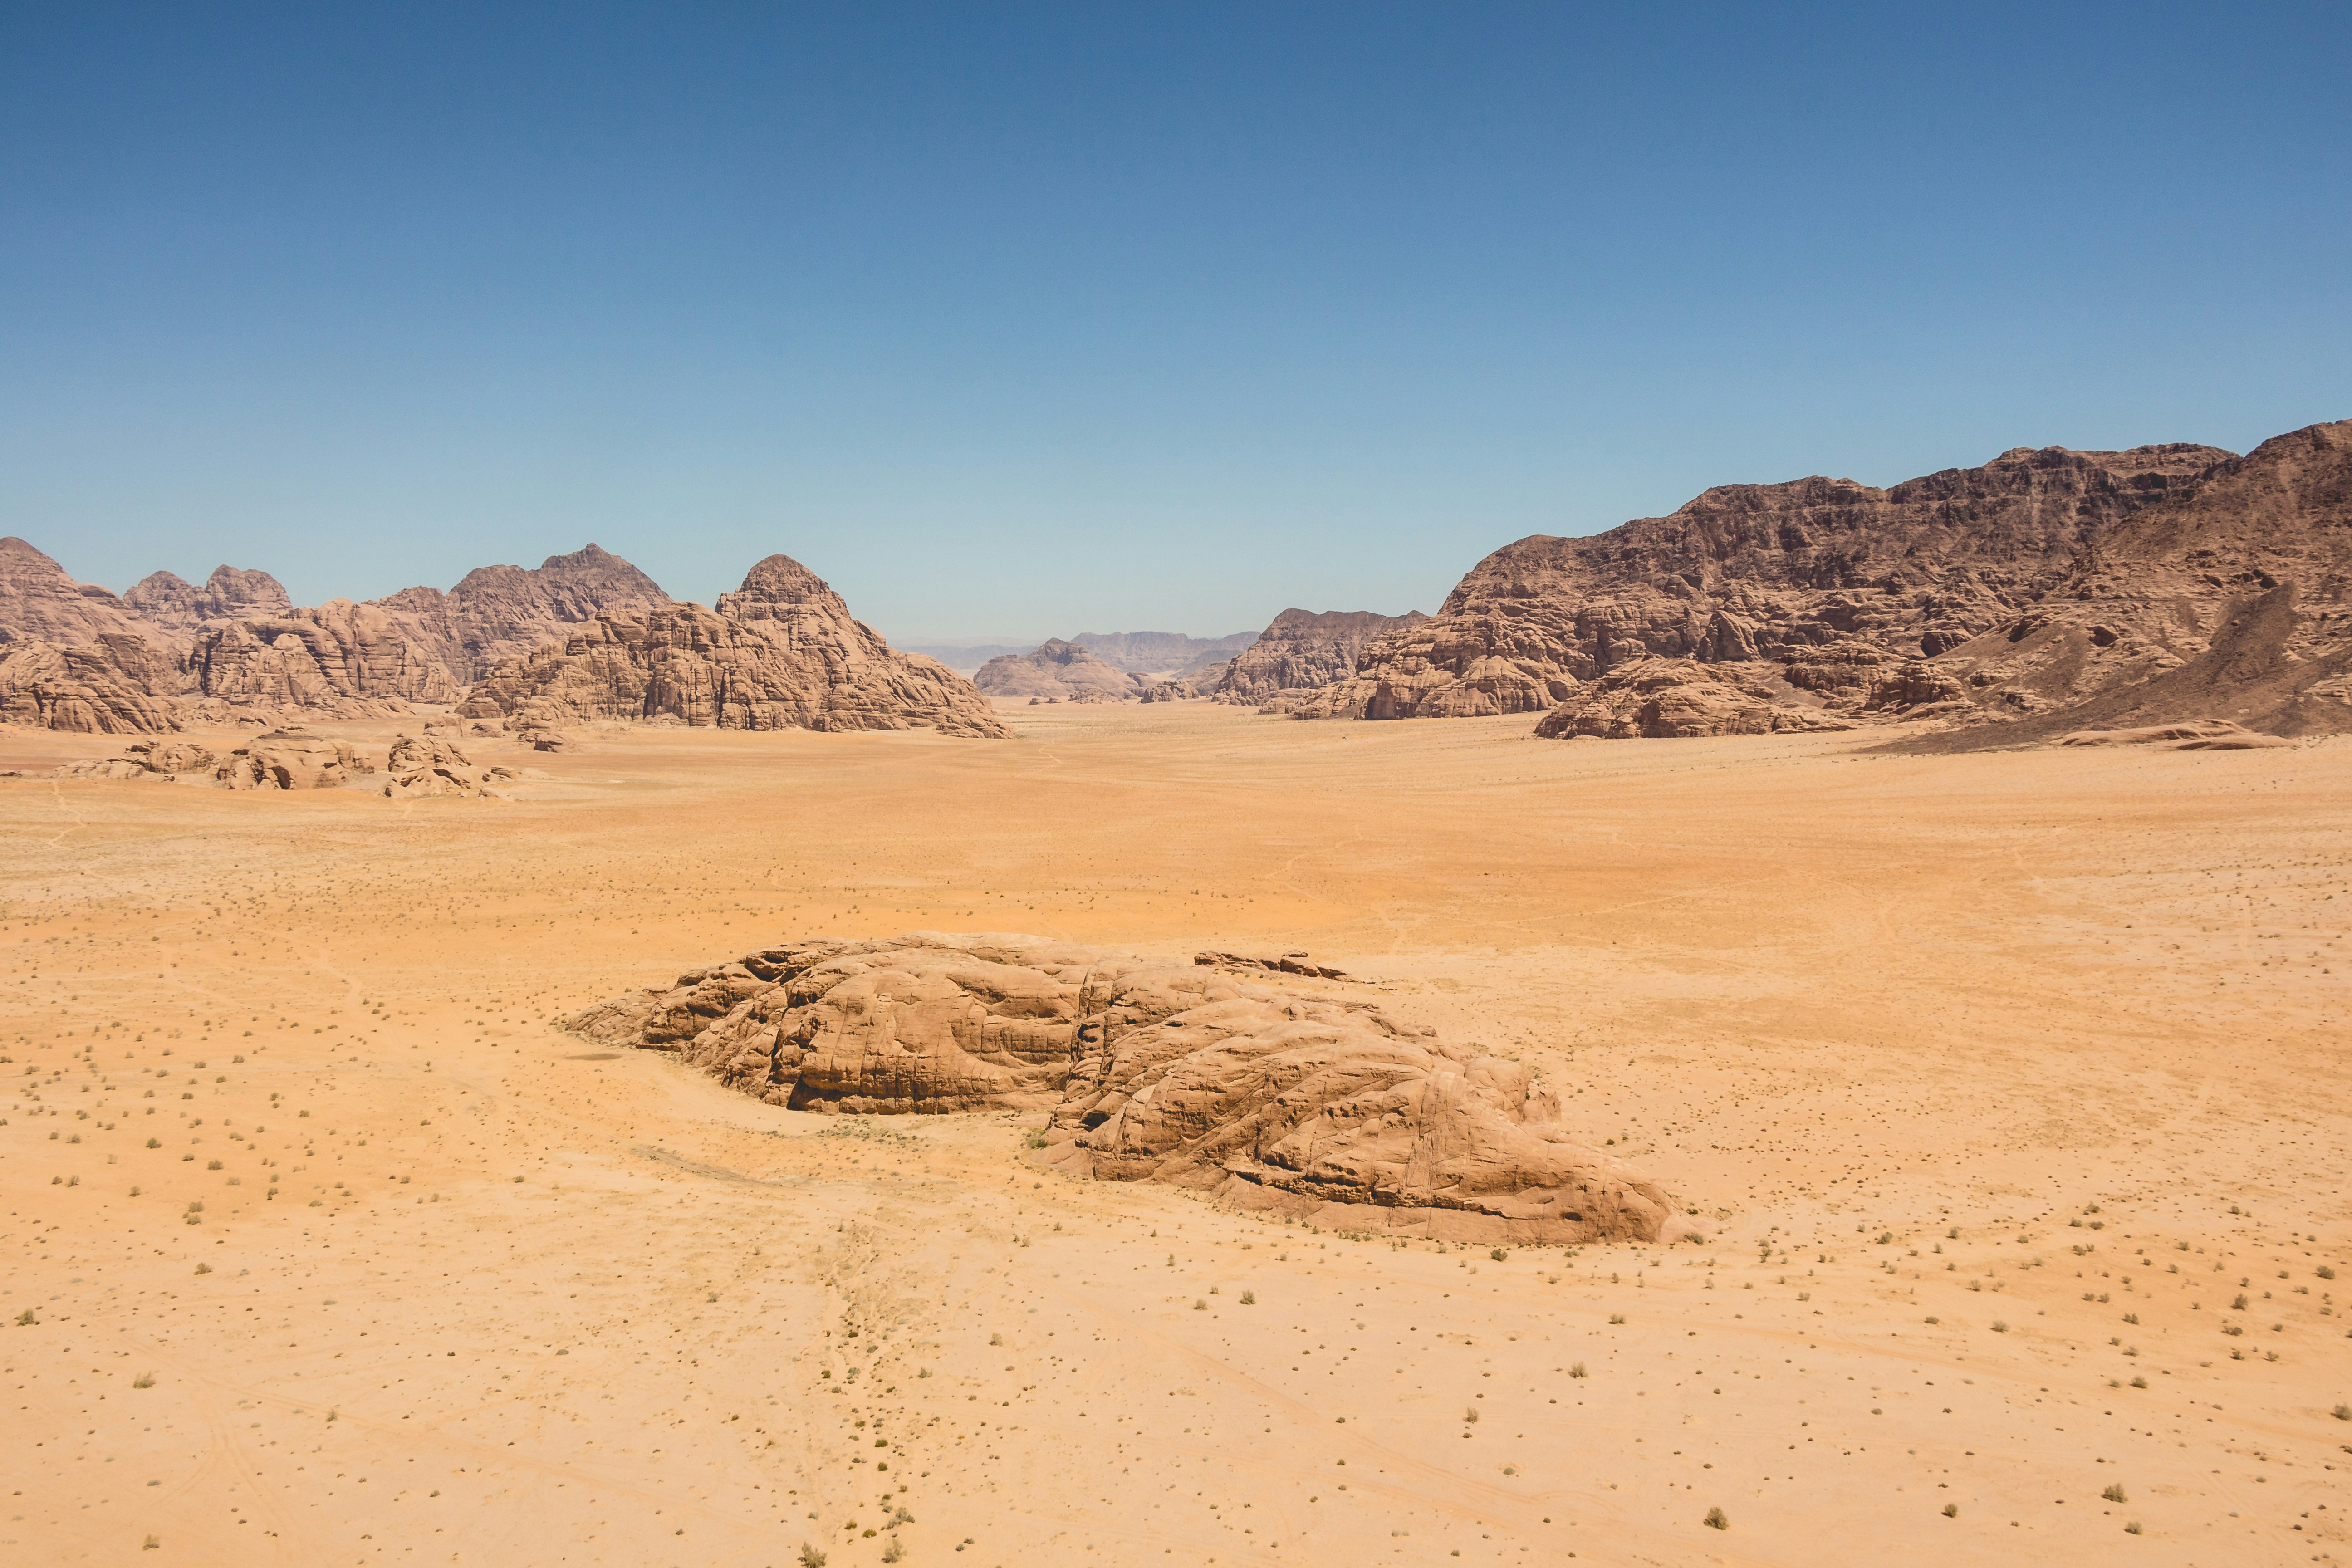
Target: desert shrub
x: 1717, y: 1519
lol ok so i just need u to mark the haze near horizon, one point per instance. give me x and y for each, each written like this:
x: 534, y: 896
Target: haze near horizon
x: 1013, y: 323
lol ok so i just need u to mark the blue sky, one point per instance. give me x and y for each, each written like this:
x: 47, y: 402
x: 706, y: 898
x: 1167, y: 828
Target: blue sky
x: 1014, y: 321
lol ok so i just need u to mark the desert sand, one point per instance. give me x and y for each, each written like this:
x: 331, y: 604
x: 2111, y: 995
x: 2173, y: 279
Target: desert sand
x: 2008, y: 1088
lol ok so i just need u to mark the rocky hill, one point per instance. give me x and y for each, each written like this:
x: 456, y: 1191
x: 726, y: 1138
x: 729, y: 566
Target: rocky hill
x: 75, y: 656
x: 2231, y: 601
x: 1300, y: 650
x: 781, y: 652
x: 1057, y: 672
x: 1161, y: 653
x: 1271, y: 1091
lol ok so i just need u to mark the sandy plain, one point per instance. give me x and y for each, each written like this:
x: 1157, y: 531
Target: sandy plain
x: 1995, y: 1083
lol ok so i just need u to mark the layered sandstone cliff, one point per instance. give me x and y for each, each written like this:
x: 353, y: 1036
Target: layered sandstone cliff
x: 1301, y: 650
x: 781, y: 652
x: 1808, y: 574
x: 1271, y: 1091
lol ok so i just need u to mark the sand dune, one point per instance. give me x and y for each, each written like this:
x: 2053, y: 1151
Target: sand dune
x: 2006, y: 1084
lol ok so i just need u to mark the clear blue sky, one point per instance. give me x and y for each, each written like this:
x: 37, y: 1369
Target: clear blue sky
x: 1025, y: 320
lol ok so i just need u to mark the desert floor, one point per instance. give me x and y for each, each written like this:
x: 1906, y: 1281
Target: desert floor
x: 2009, y: 1093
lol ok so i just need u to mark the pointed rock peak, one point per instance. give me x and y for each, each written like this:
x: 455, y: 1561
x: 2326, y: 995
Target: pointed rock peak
x: 20, y: 557
x: 232, y: 591
x: 779, y: 580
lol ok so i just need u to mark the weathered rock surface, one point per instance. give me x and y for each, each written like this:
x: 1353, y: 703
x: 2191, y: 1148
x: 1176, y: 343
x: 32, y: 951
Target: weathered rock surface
x: 176, y: 611
x: 433, y: 765
x: 39, y: 603
x: 1318, y: 1106
x: 2196, y: 735
x: 1680, y: 699
x: 497, y: 612
x: 781, y: 652
x: 117, y: 685
x: 292, y: 760
x: 1300, y: 650
x: 170, y: 761
x: 1764, y: 573
x: 2229, y: 601
x: 1057, y: 672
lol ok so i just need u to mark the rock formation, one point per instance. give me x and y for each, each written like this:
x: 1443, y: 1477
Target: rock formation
x: 434, y: 765
x: 2229, y: 601
x: 1300, y: 650
x: 1679, y: 699
x: 1318, y: 1106
x: 497, y: 612
x: 1814, y: 572
x: 1057, y: 672
x: 781, y: 652
x: 176, y: 612
x: 288, y: 760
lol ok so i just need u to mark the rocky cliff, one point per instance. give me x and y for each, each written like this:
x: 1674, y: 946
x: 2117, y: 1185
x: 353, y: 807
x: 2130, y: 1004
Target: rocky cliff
x: 1269, y: 1090
x: 781, y: 652
x: 1810, y: 574
x: 1300, y: 650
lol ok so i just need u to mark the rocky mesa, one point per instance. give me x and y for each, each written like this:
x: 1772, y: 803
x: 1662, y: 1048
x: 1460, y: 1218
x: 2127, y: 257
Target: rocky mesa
x: 1266, y: 1090
x: 1301, y: 650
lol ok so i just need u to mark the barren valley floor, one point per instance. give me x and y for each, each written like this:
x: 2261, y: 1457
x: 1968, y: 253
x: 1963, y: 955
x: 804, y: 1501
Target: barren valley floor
x: 2009, y: 1093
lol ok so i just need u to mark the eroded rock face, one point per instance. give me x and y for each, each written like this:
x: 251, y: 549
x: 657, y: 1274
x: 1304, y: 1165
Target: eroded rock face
x: 1766, y: 573
x: 433, y: 765
x: 1310, y: 1104
x: 497, y: 612
x: 290, y: 761
x: 1300, y: 650
x: 781, y: 652
x: 178, y: 610
x: 117, y: 685
x: 1681, y: 699
x: 2231, y: 600
x: 1057, y: 672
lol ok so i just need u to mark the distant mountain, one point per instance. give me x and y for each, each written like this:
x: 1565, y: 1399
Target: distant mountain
x: 1057, y: 672
x: 1161, y: 653
x: 964, y: 657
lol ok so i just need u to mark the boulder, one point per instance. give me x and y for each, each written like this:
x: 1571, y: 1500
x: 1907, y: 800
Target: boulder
x: 433, y: 765
x: 290, y: 760
x: 1311, y: 1104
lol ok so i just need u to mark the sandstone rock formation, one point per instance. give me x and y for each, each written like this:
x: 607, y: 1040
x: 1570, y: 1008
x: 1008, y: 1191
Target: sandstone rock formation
x: 434, y: 765
x: 781, y: 652
x: 1318, y: 1106
x: 1679, y: 699
x: 176, y: 611
x: 2230, y: 600
x: 1772, y: 573
x: 497, y: 612
x: 1300, y: 650
x: 2196, y: 735
x: 117, y: 685
x: 290, y: 760
x: 1058, y: 671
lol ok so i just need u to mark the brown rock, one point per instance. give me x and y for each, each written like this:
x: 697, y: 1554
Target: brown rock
x: 109, y: 686
x: 1300, y: 650
x: 782, y: 652
x: 2229, y: 601
x: 2196, y: 735
x: 1317, y: 1106
x: 178, y: 611
x: 288, y: 760
x: 497, y: 612
x: 39, y: 603
x: 1057, y: 672
x: 1665, y: 699
x: 1759, y: 572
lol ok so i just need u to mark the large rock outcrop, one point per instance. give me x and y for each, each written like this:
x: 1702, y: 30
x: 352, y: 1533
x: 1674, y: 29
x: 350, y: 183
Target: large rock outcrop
x: 1057, y: 672
x: 1255, y: 1087
x: 497, y: 612
x: 1682, y: 699
x: 1772, y: 573
x: 178, y: 611
x: 2229, y: 602
x: 781, y: 652
x: 1301, y: 650
x: 1161, y: 653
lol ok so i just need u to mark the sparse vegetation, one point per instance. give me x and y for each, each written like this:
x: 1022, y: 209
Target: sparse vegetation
x: 2115, y: 1493
x: 1951, y: 1511
x: 1576, y: 1369
x: 1717, y: 1519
